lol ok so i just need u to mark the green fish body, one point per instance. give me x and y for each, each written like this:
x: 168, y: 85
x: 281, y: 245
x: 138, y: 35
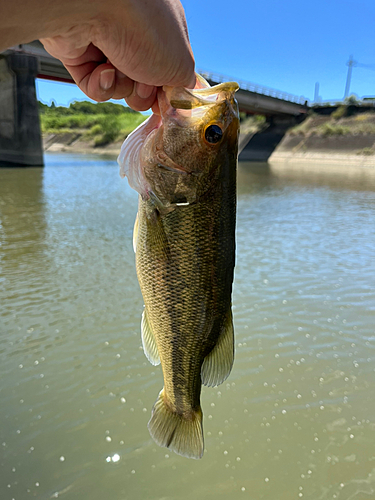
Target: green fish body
x: 184, y: 239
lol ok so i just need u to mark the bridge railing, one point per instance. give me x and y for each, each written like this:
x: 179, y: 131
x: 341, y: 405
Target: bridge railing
x: 253, y: 87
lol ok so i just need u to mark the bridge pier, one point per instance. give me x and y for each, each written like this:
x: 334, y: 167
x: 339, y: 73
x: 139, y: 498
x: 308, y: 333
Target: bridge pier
x: 20, y: 137
x: 263, y: 143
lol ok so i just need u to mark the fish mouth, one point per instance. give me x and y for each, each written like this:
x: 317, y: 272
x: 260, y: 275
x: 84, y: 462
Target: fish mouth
x: 186, y: 106
x: 181, y: 98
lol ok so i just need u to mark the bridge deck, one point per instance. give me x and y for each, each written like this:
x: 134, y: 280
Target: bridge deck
x: 252, y: 98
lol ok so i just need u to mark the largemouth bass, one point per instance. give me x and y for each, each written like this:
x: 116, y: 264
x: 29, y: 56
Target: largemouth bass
x: 183, y: 164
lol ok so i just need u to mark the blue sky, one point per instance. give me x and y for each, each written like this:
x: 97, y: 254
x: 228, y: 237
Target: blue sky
x: 286, y: 45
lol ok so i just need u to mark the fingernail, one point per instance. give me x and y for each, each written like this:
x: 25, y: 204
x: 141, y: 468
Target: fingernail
x: 107, y: 79
x: 143, y: 90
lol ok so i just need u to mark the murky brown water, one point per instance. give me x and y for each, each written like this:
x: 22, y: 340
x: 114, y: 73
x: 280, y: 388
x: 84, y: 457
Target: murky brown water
x: 296, y: 418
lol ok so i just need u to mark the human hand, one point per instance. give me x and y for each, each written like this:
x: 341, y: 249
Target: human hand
x: 127, y: 49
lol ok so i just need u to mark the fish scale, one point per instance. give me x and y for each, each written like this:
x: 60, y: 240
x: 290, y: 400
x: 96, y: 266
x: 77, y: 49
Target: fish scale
x: 185, y: 291
x: 185, y: 255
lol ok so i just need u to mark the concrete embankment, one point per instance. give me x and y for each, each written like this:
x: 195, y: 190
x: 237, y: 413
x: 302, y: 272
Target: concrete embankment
x: 356, y: 148
x: 317, y: 138
x: 74, y: 142
x: 326, y: 137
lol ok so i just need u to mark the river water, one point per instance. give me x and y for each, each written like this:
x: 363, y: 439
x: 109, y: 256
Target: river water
x: 296, y: 417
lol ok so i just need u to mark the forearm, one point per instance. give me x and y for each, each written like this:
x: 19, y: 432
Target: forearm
x: 113, y: 48
x: 23, y: 21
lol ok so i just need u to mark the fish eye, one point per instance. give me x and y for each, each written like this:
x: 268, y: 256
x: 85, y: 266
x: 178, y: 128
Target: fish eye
x: 213, y: 134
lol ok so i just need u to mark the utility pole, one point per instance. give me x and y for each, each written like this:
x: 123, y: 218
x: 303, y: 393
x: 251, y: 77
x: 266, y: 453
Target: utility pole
x: 316, y: 93
x: 350, y: 65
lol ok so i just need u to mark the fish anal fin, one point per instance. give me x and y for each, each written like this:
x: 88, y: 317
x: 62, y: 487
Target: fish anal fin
x: 148, y: 341
x: 218, y: 364
x: 135, y: 233
x: 181, y: 434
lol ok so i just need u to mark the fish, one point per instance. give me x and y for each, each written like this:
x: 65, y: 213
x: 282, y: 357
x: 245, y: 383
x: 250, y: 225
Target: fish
x: 183, y: 165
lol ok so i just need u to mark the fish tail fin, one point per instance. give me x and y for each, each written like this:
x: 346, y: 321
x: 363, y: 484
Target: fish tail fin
x: 181, y: 434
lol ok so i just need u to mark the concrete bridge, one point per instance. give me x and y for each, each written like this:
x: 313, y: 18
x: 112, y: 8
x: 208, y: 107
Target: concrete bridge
x: 20, y: 137
x: 282, y: 111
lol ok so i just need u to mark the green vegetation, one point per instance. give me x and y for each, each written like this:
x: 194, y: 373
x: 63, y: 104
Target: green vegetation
x: 255, y: 119
x: 328, y: 129
x: 99, y: 123
x: 350, y: 108
x: 339, y: 113
x: 366, y: 152
x: 252, y: 123
x: 347, y: 119
x: 302, y: 128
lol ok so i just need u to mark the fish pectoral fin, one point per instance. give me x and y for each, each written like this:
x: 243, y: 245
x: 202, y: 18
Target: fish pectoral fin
x: 148, y: 341
x: 181, y: 434
x: 218, y: 364
x: 135, y: 233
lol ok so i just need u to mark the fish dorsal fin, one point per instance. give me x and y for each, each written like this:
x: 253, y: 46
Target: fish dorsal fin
x: 135, y: 233
x: 148, y: 341
x: 218, y: 364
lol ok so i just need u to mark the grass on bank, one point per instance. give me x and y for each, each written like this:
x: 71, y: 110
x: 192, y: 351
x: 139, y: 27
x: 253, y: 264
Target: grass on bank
x: 99, y: 123
x: 104, y: 123
x: 345, y: 120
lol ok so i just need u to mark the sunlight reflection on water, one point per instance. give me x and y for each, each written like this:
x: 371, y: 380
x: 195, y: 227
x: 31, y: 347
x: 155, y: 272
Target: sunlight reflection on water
x: 296, y: 417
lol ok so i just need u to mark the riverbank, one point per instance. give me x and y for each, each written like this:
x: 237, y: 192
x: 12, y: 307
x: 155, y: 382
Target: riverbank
x: 103, y: 134
x: 347, y: 134
x: 332, y: 151
x: 75, y: 142
x: 285, y: 153
x: 332, y: 159
x: 86, y: 126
